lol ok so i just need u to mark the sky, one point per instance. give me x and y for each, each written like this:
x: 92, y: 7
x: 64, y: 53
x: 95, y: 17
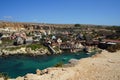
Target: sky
x: 100, y: 12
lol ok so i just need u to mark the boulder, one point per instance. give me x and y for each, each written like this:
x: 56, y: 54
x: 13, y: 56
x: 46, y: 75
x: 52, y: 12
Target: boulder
x: 38, y: 72
x: 73, y: 61
x: 44, y: 71
x: 31, y: 76
x: 20, y: 78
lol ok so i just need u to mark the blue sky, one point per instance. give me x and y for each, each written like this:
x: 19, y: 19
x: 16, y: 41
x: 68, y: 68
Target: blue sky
x: 101, y: 12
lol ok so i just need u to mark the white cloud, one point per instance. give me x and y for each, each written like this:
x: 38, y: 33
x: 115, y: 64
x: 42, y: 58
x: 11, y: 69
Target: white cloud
x: 7, y: 17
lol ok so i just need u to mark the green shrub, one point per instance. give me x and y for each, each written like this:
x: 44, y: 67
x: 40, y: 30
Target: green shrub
x: 56, y: 49
x: 77, y: 25
x: 6, y: 41
x: 4, y: 75
x: 35, y: 46
x: 13, y: 48
x: 118, y: 46
x: 113, y: 48
x: 60, y: 64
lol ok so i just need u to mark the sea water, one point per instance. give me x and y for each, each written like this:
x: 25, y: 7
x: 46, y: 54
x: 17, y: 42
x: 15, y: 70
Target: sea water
x: 20, y: 65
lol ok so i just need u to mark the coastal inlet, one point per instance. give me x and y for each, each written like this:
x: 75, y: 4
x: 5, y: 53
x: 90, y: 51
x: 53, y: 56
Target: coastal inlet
x: 17, y: 65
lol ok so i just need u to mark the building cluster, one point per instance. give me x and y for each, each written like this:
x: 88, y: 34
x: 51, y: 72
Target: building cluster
x: 63, y: 38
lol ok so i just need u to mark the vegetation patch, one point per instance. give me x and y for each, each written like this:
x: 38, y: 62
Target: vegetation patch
x: 6, y: 41
x: 56, y: 48
x: 32, y: 46
x: 13, y: 48
x: 35, y: 46
x: 114, y: 48
x: 60, y: 64
x: 4, y: 75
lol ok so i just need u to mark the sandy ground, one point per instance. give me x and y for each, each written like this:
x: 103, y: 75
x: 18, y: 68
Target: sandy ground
x: 104, y: 66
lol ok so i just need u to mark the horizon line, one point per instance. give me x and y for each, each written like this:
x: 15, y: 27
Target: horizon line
x: 56, y: 23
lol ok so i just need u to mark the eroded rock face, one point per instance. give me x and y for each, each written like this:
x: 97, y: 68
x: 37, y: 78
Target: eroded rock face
x: 24, y: 50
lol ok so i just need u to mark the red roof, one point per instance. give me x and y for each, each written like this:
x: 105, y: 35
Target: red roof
x: 115, y: 41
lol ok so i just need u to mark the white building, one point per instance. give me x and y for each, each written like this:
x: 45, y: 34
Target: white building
x: 7, y: 29
x: 59, y: 41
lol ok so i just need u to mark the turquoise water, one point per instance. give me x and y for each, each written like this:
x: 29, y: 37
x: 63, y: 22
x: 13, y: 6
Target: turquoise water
x: 16, y: 66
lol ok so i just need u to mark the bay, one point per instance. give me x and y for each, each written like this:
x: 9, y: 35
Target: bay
x: 19, y: 65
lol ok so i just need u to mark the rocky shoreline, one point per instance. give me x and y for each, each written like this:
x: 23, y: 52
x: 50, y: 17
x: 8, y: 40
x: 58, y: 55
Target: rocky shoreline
x: 104, y: 66
x: 26, y: 51
x: 36, y: 52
